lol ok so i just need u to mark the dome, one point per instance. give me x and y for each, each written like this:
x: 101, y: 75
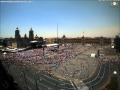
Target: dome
x: 17, y: 29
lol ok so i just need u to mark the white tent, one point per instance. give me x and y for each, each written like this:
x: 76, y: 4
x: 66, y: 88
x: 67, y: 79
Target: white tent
x: 52, y: 45
x: 92, y: 54
x: 33, y: 41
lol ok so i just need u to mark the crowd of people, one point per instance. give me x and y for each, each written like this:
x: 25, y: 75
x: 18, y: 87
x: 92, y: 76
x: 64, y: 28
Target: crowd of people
x: 38, y: 56
x: 49, y: 60
x: 71, y: 61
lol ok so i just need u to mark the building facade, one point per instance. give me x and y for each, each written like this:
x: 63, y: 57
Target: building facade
x: 17, y: 34
x: 31, y: 35
x: 89, y: 40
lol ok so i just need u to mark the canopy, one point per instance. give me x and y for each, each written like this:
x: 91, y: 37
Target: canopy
x: 52, y: 45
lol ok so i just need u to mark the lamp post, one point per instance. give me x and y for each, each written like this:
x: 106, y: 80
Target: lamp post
x: 83, y: 38
x: 57, y: 33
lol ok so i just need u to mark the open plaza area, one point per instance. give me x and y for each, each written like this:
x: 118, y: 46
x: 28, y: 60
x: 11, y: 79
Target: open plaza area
x: 69, y: 67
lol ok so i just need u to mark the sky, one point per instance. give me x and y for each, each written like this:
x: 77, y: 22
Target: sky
x: 93, y: 17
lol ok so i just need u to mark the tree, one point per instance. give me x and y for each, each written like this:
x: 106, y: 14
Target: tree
x: 4, y: 42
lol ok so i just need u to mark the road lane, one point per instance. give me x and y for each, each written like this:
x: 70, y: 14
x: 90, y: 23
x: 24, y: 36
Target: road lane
x: 95, y: 76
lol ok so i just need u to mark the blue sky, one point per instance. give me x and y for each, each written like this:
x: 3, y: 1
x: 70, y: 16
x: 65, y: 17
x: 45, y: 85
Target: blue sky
x: 93, y: 17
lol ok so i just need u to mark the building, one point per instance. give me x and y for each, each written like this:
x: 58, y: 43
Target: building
x: 17, y: 34
x: 88, y: 40
x: 117, y: 43
x: 19, y: 41
x: 17, y: 38
x: 31, y: 35
x: 25, y: 41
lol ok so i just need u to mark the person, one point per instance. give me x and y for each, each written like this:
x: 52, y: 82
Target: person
x: 98, y: 53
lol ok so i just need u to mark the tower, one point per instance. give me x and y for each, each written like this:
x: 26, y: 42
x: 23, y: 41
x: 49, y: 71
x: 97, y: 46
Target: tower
x: 83, y: 39
x: 25, y: 36
x: 17, y: 34
x: 17, y: 38
x: 31, y: 34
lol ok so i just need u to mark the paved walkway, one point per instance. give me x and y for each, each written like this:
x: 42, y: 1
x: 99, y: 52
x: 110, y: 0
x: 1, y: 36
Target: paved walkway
x: 80, y: 85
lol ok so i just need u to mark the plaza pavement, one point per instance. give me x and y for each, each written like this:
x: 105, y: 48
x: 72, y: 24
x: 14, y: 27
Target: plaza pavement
x: 76, y: 69
x: 80, y: 67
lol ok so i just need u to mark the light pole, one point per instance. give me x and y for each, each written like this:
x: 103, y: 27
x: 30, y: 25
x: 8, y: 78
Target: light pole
x: 57, y: 33
x: 83, y: 38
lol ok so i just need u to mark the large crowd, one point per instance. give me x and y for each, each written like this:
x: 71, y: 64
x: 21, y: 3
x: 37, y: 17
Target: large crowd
x: 49, y: 60
x: 38, y: 56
